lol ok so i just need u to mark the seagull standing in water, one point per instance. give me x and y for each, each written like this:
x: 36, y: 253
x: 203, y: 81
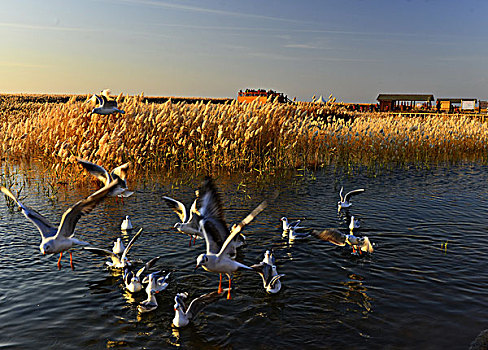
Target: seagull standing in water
x: 100, y: 173
x: 220, y: 241
x: 107, y: 106
x: 184, y: 314
x: 189, y: 222
x: 344, y: 202
x: 57, y: 240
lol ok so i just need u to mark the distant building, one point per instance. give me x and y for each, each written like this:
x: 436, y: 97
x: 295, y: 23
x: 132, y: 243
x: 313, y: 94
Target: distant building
x: 450, y: 104
x: 403, y: 102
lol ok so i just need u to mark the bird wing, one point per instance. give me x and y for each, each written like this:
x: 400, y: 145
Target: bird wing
x: 263, y: 269
x: 121, y: 171
x: 352, y: 193
x: 101, y: 251
x: 72, y: 215
x: 99, y: 99
x: 147, y: 266
x: 96, y: 170
x: 198, y: 304
x: 209, y: 203
x: 180, y: 299
x: 211, y: 231
x: 340, y: 194
x: 178, y: 207
x: 274, y: 279
x: 131, y: 243
x: 43, y: 225
x: 237, y: 228
x: 331, y: 235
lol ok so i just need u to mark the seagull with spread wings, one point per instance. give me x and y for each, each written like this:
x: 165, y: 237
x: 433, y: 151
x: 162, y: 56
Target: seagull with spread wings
x: 57, y: 240
x: 184, y: 314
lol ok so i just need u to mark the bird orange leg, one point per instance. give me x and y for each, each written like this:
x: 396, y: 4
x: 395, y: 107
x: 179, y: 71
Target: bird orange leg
x: 220, y: 284
x: 194, y: 239
x: 71, y: 261
x: 228, y: 292
x: 59, y: 260
x: 189, y: 244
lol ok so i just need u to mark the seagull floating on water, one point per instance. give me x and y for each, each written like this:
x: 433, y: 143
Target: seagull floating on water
x: 107, y: 106
x: 119, y: 261
x: 293, y: 235
x: 57, y: 240
x: 155, y: 284
x: 133, y: 281
x: 290, y: 225
x: 269, y: 274
x: 189, y: 222
x: 184, y: 315
x: 126, y: 224
x: 220, y: 241
x: 334, y: 236
x: 100, y: 173
x: 344, y: 202
x: 354, y: 224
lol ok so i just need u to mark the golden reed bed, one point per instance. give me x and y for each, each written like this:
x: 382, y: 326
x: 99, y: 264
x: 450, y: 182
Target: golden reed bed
x: 199, y: 138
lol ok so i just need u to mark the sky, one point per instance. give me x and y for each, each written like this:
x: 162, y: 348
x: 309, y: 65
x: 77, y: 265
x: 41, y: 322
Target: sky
x: 353, y: 49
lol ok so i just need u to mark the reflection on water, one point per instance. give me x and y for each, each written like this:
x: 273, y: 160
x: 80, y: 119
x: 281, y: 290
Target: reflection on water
x: 423, y: 287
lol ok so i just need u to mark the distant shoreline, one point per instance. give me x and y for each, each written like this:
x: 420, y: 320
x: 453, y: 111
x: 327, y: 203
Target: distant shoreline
x: 63, y: 98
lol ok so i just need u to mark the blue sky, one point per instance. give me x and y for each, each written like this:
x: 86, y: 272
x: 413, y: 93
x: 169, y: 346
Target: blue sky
x: 353, y: 49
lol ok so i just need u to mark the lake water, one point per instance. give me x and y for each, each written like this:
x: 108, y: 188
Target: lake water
x: 410, y: 293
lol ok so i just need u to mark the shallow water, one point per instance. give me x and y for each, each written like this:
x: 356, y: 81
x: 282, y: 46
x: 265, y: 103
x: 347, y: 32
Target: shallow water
x: 409, y: 293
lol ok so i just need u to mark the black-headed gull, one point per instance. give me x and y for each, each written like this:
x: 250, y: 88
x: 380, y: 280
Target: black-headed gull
x: 270, y: 276
x: 269, y: 257
x: 133, y: 281
x: 118, y: 261
x: 189, y: 222
x: 126, y: 224
x: 334, y: 236
x: 57, y: 240
x: 354, y: 224
x: 293, y: 235
x: 345, y: 201
x: 290, y: 225
x: 106, y: 106
x: 220, y: 241
x: 155, y: 284
x: 183, y: 314
x: 100, y: 173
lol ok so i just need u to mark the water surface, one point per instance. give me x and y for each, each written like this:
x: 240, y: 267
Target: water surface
x: 410, y: 293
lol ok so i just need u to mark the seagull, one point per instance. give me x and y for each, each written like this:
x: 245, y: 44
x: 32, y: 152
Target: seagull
x: 155, y: 284
x: 344, y: 202
x: 119, y: 261
x: 189, y: 222
x: 289, y: 225
x: 126, y: 224
x: 57, y: 240
x: 269, y: 258
x: 334, y: 236
x: 106, y: 106
x: 220, y: 241
x: 150, y: 304
x: 293, y: 235
x: 100, y: 173
x: 132, y: 280
x: 354, y: 224
x: 270, y: 276
x: 184, y: 315
x: 118, y: 247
